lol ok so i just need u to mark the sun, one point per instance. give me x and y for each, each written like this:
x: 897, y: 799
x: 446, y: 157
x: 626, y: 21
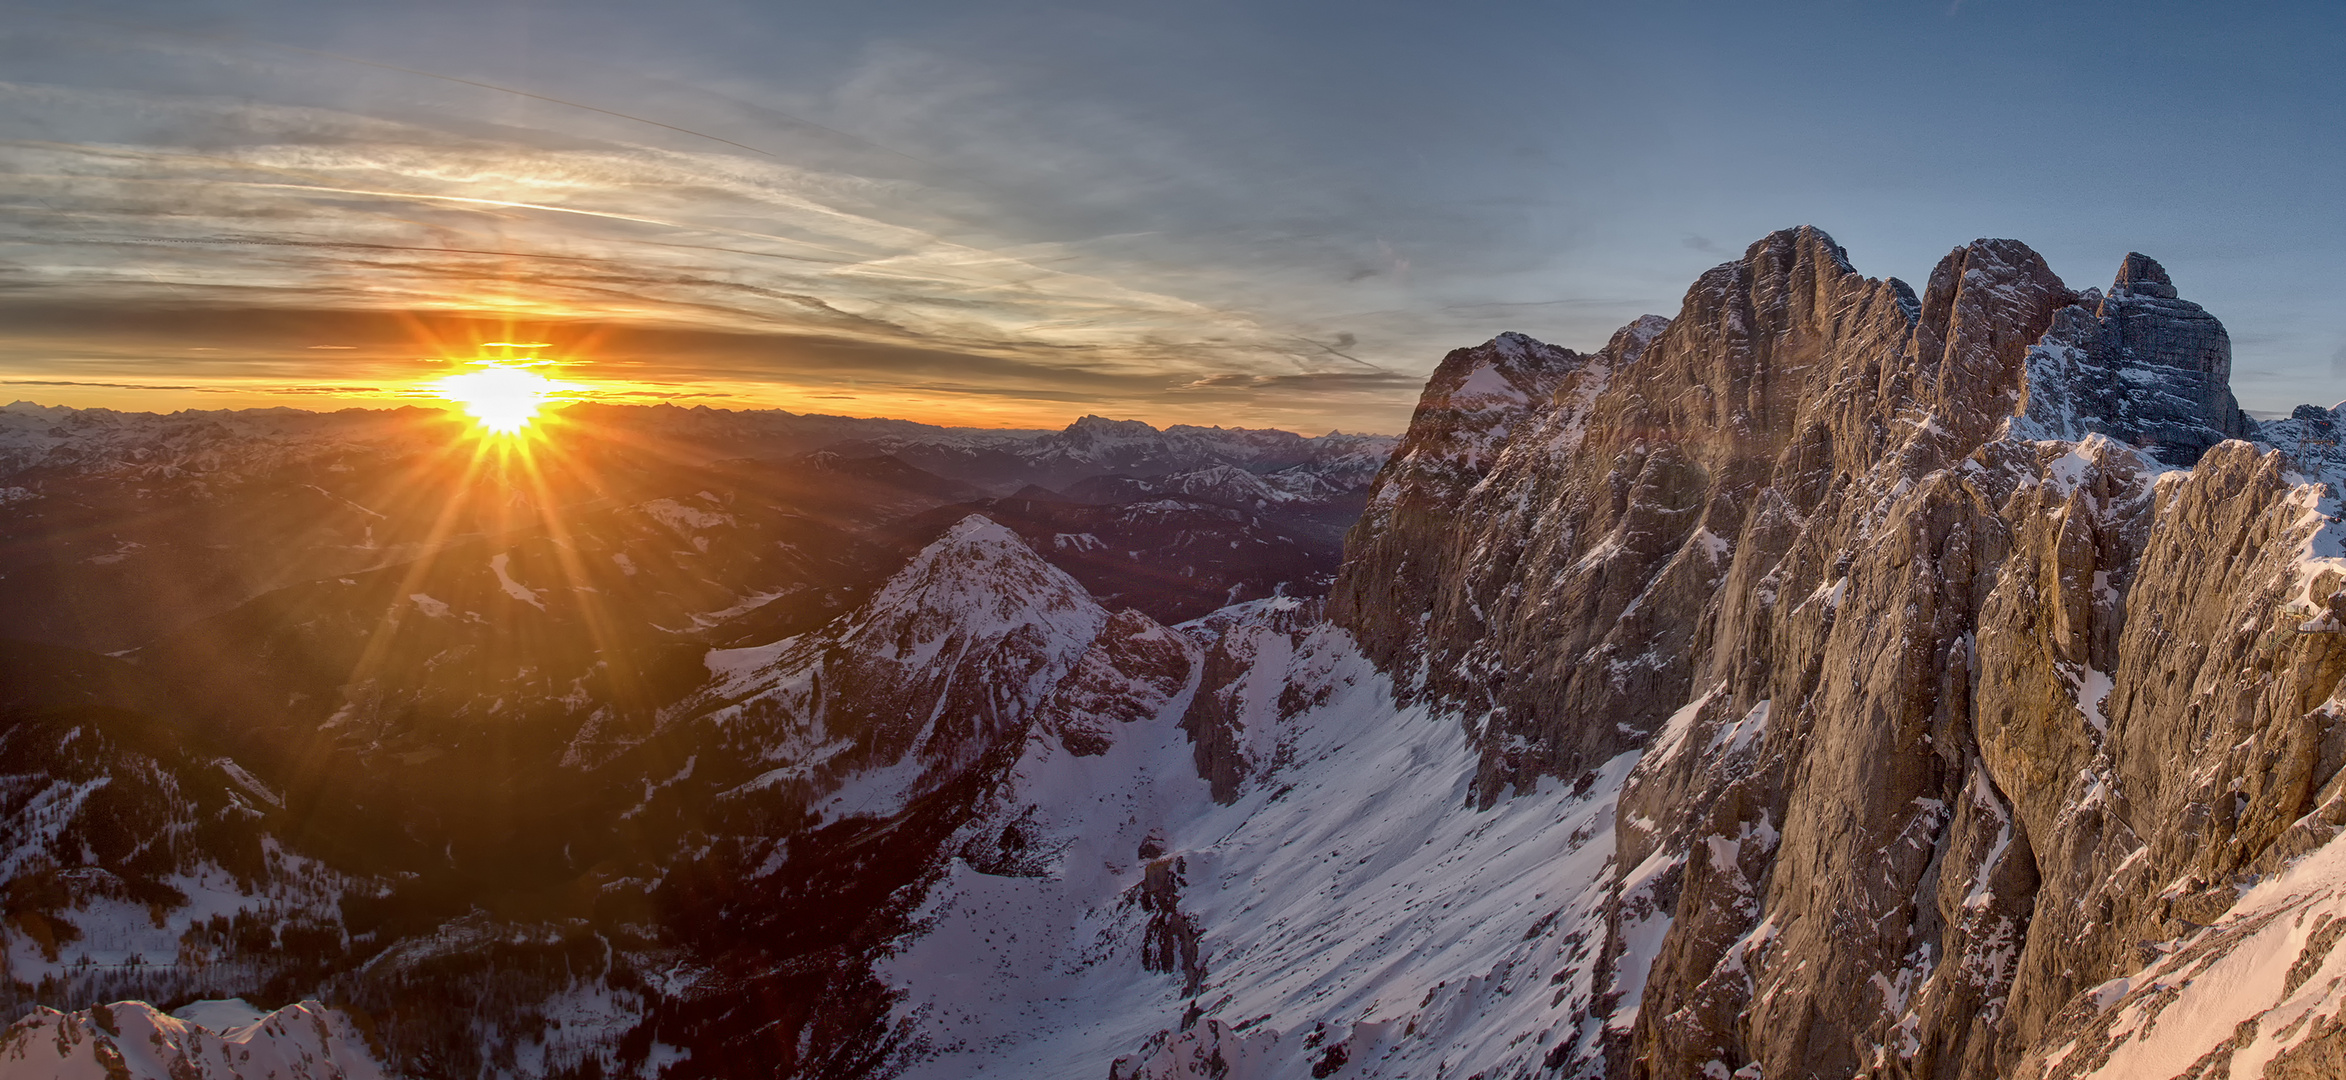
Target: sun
x: 502, y: 400
x: 503, y: 396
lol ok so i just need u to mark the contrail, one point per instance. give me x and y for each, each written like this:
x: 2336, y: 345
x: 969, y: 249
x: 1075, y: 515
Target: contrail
x: 1333, y: 351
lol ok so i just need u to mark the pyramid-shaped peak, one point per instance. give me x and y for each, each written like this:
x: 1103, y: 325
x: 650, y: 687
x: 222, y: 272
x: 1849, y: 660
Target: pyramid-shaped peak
x: 1516, y: 348
x: 978, y: 578
x: 2141, y: 275
x: 976, y: 529
x: 1511, y: 365
x: 1514, y: 344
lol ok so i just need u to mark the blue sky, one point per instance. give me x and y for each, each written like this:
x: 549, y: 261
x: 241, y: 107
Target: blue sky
x: 1259, y: 213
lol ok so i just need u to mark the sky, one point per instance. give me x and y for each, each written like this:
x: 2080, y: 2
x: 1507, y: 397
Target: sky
x: 1264, y: 213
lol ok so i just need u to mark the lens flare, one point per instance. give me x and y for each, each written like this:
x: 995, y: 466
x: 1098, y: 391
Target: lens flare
x: 504, y: 395
x: 502, y: 400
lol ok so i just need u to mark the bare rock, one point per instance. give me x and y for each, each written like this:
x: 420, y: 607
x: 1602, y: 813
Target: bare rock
x: 1951, y: 691
x: 2140, y: 365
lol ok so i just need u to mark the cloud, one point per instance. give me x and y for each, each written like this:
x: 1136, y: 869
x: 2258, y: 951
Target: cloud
x: 945, y: 228
x: 1309, y: 379
x: 191, y: 388
x: 263, y: 352
x: 649, y: 236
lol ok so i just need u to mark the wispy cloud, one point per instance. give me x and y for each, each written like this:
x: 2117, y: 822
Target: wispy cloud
x: 188, y: 387
x: 316, y: 208
x: 920, y: 212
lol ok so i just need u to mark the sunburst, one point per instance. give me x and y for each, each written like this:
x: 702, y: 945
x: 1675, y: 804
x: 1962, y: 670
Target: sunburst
x: 503, y: 395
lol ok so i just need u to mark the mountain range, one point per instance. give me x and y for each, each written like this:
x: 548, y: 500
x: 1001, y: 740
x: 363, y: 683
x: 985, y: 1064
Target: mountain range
x: 1831, y: 679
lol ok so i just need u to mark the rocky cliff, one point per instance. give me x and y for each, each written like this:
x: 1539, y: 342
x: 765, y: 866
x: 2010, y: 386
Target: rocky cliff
x: 1794, y: 687
x: 1832, y: 679
x: 1957, y: 645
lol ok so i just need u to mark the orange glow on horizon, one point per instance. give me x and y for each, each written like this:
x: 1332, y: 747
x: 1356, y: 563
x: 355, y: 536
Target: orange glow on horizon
x: 428, y: 359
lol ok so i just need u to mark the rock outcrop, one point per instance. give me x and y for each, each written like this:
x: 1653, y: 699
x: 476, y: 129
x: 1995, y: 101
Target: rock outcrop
x: 1949, y: 689
x: 2141, y: 365
x: 1834, y: 679
x: 1396, y: 557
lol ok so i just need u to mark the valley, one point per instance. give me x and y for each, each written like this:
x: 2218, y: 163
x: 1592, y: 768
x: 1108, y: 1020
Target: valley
x: 1834, y: 678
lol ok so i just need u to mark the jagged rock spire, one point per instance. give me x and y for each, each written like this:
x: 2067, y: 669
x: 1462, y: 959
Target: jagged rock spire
x: 2141, y: 275
x: 2139, y: 365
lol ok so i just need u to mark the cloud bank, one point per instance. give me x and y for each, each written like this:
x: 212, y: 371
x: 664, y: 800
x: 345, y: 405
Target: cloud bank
x: 220, y: 239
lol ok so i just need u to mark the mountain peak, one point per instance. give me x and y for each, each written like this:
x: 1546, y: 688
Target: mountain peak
x: 2140, y: 365
x: 1629, y: 342
x: 1511, y: 364
x: 980, y: 579
x: 921, y: 682
x: 1796, y: 244
x: 974, y: 529
x: 1092, y: 422
x: 1480, y: 392
x: 2141, y: 275
x: 1514, y: 345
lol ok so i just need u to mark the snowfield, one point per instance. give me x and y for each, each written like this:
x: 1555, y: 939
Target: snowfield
x: 1349, y: 906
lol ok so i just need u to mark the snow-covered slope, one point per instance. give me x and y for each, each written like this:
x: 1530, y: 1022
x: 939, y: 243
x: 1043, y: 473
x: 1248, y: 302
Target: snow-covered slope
x: 1344, y: 907
x: 136, y: 859
x: 1832, y: 680
x: 948, y: 657
x: 130, y: 1040
x: 2256, y: 993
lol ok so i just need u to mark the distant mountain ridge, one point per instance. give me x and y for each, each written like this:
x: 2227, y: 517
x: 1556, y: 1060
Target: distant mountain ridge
x: 449, y: 680
x: 1834, y: 679
x: 54, y: 438
x: 121, y: 526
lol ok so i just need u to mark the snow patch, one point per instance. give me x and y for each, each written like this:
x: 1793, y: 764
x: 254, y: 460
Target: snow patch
x: 513, y: 588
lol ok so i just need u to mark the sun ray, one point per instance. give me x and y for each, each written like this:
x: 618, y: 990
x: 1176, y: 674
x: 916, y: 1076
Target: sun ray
x: 600, y: 624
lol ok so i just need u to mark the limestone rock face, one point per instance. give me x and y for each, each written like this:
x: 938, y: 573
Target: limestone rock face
x: 1396, y: 556
x: 2139, y: 364
x: 1955, y: 641
x: 1686, y: 452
